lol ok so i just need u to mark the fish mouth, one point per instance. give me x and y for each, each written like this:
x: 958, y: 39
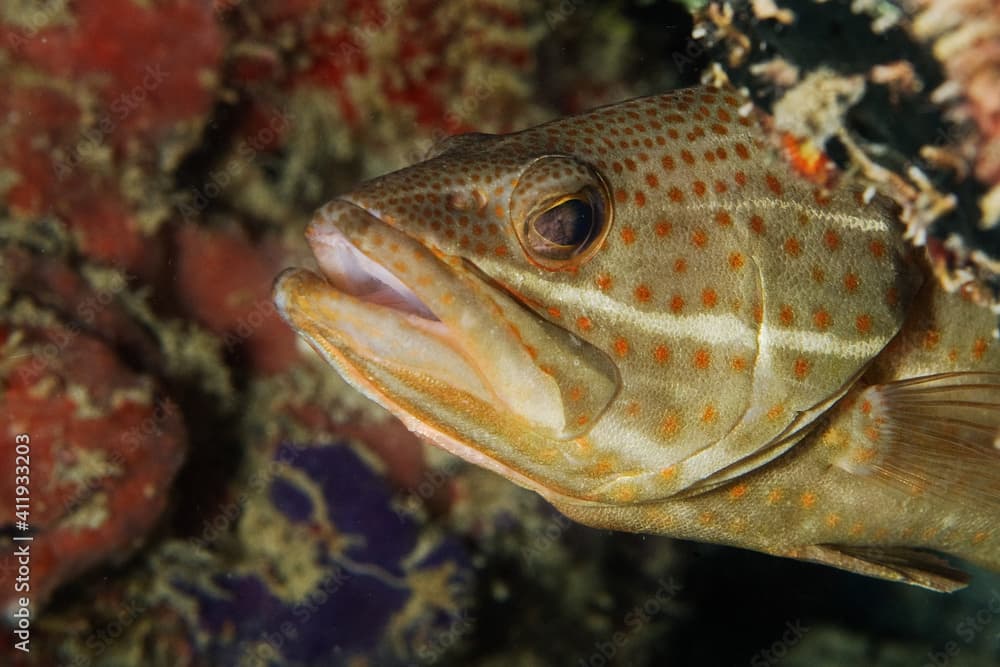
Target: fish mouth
x: 354, y: 273
x: 440, y: 345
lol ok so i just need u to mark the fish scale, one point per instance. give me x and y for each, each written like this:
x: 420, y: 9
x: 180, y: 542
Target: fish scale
x: 662, y: 326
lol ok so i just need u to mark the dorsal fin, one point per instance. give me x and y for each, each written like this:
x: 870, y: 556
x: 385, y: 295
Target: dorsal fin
x: 935, y: 434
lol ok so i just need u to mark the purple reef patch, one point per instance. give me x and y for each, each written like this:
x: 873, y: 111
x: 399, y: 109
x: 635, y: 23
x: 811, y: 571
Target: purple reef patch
x: 374, y: 589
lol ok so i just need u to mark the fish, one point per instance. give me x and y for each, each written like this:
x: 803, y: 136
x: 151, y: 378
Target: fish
x: 649, y: 315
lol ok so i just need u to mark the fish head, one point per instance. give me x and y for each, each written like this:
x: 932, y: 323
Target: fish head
x: 574, y: 306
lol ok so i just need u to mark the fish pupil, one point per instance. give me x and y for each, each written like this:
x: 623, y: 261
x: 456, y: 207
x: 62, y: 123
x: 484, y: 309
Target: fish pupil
x: 567, y: 224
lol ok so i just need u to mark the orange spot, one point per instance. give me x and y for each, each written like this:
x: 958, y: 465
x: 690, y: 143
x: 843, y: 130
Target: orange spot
x: 604, y: 282
x: 642, y: 293
x: 857, y: 528
x: 757, y: 224
x: 740, y: 178
x: 709, y: 298
x: 877, y: 249
x: 775, y: 411
x: 667, y: 162
x: 620, y: 196
x: 602, y: 467
x: 723, y: 219
x: 831, y: 239
x: 575, y: 394
x: 680, y: 265
x: 787, y: 315
x: 822, y: 319
x: 892, y: 296
x: 633, y: 409
x: 500, y: 251
x: 720, y: 186
x: 670, y: 425
x: 628, y: 235
x: 792, y: 246
x: 773, y: 184
x: 661, y: 354
x: 832, y: 520
x: 699, y: 238
x: 669, y: 472
x: 980, y: 537
x: 707, y: 518
x: 742, y: 151
x: 687, y: 157
x: 979, y: 348
x: 699, y: 188
x: 652, y: 180
x: 774, y: 496
x: 931, y: 339
x: 739, y: 364
x: 640, y: 198
x: 808, y: 500
x: 708, y: 414
x: 735, y: 261
x: 676, y: 195
x: 702, y: 358
x: 663, y: 228
x: 851, y: 282
x: 801, y: 368
x: 864, y: 323
x: 584, y: 323
x: 582, y: 419
x: 676, y: 303
x: 738, y: 491
x: 621, y: 346
x: 554, y: 312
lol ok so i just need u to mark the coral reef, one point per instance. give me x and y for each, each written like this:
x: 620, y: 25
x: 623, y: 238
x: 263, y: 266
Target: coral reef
x: 965, y: 38
x: 205, y: 492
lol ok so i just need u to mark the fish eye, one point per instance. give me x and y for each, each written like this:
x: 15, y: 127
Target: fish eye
x: 567, y: 228
x: 560, y: 211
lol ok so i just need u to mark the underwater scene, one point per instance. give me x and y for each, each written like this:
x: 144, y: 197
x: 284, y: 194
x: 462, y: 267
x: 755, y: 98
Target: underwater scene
x: 487, y: 333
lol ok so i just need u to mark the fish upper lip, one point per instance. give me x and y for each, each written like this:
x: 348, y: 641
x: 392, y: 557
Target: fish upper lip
x: 351, y: 271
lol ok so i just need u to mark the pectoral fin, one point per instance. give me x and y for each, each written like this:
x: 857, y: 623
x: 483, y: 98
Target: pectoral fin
x: 936, y: 434
x: 911, y: 566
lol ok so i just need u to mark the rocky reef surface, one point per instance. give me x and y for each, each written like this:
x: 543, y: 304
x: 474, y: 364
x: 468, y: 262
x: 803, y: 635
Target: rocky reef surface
x: 204, y: 491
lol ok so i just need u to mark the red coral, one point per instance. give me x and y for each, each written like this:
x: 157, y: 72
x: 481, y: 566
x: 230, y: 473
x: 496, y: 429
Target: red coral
x: 132, y: 90
x: 103, y: 453
x: 224, y: 282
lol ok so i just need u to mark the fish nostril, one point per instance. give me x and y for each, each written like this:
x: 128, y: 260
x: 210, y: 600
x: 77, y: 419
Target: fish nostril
x: 466, y: 201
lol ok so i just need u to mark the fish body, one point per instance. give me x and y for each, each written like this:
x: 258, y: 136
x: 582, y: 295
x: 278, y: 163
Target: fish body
x: 647, y: 316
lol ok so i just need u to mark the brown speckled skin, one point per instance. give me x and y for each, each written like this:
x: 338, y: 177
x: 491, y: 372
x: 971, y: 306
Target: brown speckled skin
x: 694, y: 372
